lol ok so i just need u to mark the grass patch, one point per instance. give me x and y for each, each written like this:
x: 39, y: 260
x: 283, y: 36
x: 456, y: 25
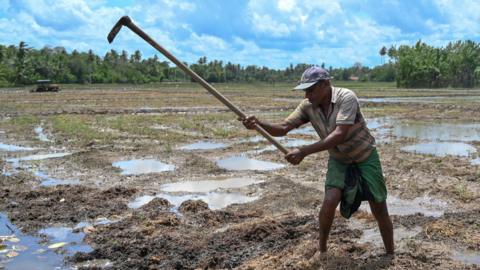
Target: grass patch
x: 79, y: 130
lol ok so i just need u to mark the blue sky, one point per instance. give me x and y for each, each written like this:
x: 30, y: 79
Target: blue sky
x: 271, y: 33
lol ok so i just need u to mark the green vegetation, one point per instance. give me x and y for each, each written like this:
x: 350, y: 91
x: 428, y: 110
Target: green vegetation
x: 421, y: 65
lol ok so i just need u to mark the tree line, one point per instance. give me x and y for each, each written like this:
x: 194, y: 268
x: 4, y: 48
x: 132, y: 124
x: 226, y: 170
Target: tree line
x: 421, y: 65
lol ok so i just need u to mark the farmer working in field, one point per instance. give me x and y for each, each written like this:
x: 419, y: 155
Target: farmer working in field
x: 354, y: 170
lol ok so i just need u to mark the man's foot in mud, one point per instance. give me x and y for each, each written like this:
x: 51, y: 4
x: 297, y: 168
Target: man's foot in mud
x: 317, y: 260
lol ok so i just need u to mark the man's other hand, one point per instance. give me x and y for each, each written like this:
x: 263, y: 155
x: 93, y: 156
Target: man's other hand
x: 295, y: 156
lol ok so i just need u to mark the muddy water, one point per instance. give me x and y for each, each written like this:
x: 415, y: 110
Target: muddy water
x: 203, y: 190
x: 241, y: 163
x: 39, y: 157
x: 12, y: 164
x: 23, y: 252
x: 203, y: 145
x: 305, y: 130
x: 432, y: 99
x: 48, y: 181
x: 475, y: 161
x: 142, y: 166
x: 40, y: 135
x: 373, y: 235
x: 466, y: 257
x: 424, y: 205
x: 14, y: 148
x: 73, y: 241
x: 464, y: 132
x: 442, y: 149
x: 209, y: 185
x: 215, y: 200
x: 292, y: 143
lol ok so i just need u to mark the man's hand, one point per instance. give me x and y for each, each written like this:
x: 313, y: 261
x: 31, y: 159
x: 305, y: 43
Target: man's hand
x: 250, y: 121
x: 295, y: 156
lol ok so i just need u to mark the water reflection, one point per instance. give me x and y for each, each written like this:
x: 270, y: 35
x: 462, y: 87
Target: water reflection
x: 142, y: 166
x: 466, y: 257
x: 431, y: 99
x: 374, y: 237
x: 208, y: 191
x: 441, y: 149
x: 426, y: 206
x: 464, y: 132
x: 203, y: 145
x: 240, y: 163
x: 40, y: 135
x: 215, y: 200
x: 209, y: 185
x: 73, y: 240
x: 48, y: 181
x: 14, y: 148
x: 29, y: 253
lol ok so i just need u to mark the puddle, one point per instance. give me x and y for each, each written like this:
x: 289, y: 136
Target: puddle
x: 203, y: 145
x: 424, y: 205
x: 209, y: 185
x: 241, y: 163
x: 14, y: 148
x: 305, y: 130
x: 475, y: 161
x: 98, y: 221
x: 40, y: 135
x: 373, y: 235
x: 214, y: 200
x: 143, y: 166
x: 466, y: 257
x: 464, y: 132
x: 74, y: 241
x: 205, y: 191
x: 14, y: 163
x: 433, y: 99
x: 47, y: 181
x: 442, y: 149
x: 38, y: 157
x: 24, y: 251
x: 293, y: 143
x: 254, y: 139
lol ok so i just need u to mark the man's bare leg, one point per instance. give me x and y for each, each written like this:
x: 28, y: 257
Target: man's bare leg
x: 327, y: 213
x: 380, y: 212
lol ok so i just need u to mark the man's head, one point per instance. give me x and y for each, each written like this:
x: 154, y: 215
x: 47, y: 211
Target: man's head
x: 311, y: 76
x: 315, y: 82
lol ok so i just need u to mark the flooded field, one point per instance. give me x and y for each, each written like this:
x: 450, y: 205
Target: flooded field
x: 119, y: 178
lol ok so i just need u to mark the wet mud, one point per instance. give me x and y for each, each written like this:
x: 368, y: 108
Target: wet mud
x: 275, y: 228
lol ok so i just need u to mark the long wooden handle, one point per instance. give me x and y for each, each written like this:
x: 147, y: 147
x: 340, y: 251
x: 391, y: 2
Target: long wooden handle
x: 204, y: 83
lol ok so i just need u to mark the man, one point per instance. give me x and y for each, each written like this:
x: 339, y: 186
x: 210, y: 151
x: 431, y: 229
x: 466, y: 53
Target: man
x: 335, y: 115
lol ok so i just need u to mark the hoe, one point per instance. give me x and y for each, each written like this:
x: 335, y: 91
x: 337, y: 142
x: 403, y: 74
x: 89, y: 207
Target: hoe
x: 126, y: 21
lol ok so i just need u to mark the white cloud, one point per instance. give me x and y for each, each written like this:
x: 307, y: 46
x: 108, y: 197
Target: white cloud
x: 286, y: 5
x: 463, y: 15
x: 266, y: 24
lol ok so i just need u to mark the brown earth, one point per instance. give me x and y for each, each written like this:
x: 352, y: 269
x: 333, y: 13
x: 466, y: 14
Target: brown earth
x: 277, y: 231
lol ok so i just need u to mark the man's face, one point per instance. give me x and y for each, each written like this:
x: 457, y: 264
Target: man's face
x: 317, y: 94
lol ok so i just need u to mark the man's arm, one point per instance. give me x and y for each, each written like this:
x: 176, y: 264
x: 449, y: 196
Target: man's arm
x: 333, y: 139
x: 275, y: 129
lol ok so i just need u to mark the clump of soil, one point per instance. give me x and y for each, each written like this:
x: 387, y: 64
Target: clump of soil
x: 193, y: 206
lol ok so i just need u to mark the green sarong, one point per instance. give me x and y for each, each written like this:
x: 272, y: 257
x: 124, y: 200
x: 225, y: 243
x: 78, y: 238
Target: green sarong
x: 371, y: 171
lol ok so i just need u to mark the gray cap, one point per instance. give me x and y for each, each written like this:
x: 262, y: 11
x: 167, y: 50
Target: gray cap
x: 311, y: 76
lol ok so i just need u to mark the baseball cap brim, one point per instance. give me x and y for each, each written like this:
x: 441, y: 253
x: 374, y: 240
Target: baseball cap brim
x: 304, y: 86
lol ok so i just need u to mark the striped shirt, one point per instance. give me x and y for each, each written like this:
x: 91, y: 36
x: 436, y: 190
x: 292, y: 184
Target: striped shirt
x: 344, y: 110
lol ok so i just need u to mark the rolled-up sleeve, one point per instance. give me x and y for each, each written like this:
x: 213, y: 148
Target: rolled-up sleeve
x: 347, y: 111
